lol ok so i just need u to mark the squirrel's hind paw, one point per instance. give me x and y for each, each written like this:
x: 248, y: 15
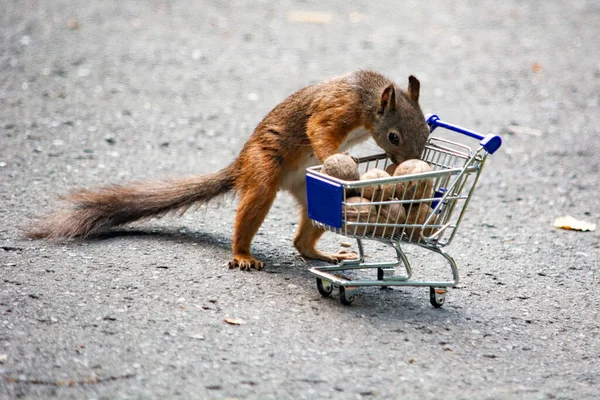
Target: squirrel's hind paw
x: 245, y: 263
x: 333, y: 258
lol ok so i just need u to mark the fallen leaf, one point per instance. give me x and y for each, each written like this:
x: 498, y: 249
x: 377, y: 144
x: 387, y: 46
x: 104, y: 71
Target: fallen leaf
x: 73, y: 24
x: 523, y: 130
x: 356, y: 17
x: 197, y: 337
x: 368, y: 393
x: 310, y: 17
x: 234, y: 321
x: 411, y: 360
x: 572, y: 224
x: 536, y: 67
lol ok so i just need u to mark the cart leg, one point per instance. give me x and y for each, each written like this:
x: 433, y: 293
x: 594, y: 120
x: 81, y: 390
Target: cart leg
x: 451, y: 262
x: 384, y: 273
x: 402, y: 260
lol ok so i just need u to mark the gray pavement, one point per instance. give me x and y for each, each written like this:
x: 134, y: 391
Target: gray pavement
x: 115, y: 91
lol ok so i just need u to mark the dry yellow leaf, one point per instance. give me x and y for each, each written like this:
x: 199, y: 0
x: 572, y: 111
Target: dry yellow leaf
x: 523, y: 130
x: 356, y: 17
x: 310, y: 17
x: 234, y: 321
x: 570, y: 223
x: 73, y: 24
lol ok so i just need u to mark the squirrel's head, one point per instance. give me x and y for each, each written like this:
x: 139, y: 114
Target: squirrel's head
x: 399, y: 127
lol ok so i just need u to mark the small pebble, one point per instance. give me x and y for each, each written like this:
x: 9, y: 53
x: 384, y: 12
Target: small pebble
x: 73, y: 24
x: 196, y: 54
x: 83, y: 72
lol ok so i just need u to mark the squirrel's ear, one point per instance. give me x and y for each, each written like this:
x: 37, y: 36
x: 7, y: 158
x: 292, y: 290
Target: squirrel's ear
x: 413, y: 88
x: 388, y: 99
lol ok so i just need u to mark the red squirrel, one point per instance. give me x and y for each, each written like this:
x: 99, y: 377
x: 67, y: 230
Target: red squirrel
x: 302, y: 131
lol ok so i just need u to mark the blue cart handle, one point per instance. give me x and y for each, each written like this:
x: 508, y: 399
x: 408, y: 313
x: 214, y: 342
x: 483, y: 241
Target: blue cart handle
x: 490, y: 142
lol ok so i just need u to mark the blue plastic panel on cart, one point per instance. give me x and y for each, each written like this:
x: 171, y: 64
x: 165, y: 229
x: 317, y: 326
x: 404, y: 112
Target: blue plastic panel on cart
x: 324, y: 201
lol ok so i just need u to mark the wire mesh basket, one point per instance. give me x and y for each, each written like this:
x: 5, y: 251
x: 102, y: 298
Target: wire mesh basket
x: 423, y: 209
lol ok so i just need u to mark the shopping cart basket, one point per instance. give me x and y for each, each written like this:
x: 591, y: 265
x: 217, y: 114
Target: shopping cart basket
x: 455, y: 169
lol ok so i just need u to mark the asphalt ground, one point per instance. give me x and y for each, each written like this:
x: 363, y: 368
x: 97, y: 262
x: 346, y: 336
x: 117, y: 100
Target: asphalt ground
x: 93, y: 93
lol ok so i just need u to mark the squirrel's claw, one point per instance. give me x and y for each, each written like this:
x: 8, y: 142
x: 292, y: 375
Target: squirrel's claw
x: 245, y: 263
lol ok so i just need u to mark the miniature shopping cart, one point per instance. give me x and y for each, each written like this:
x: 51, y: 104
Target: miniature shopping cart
x: 455, y: 169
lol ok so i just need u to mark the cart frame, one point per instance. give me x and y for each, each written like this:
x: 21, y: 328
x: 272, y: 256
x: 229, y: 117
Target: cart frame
x: 455, y: 172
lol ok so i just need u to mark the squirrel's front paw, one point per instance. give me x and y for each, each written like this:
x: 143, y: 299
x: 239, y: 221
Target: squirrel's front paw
x: 245, y: 263
x: 341, y: 256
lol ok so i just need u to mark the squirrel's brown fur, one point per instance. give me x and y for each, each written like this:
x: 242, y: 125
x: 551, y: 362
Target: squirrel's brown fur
x: 303, y: 130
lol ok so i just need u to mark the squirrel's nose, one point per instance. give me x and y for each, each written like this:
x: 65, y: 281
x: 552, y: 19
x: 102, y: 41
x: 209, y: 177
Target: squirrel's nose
x: 394, y: 157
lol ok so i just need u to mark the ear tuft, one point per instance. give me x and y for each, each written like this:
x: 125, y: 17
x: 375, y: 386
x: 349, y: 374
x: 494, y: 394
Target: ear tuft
x: 388, y: 99
x: 414, y: 86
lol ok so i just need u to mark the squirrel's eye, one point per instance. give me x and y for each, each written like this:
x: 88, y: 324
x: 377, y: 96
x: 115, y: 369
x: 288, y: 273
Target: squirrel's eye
x: 393, y: 138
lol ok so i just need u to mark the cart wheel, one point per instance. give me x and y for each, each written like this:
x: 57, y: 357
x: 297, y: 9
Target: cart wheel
x: 324, y: 287
x: 437, y: 297
x: 345, y: 299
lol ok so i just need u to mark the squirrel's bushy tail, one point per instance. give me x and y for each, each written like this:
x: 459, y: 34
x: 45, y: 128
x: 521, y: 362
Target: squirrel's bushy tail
x: 92, y: 211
